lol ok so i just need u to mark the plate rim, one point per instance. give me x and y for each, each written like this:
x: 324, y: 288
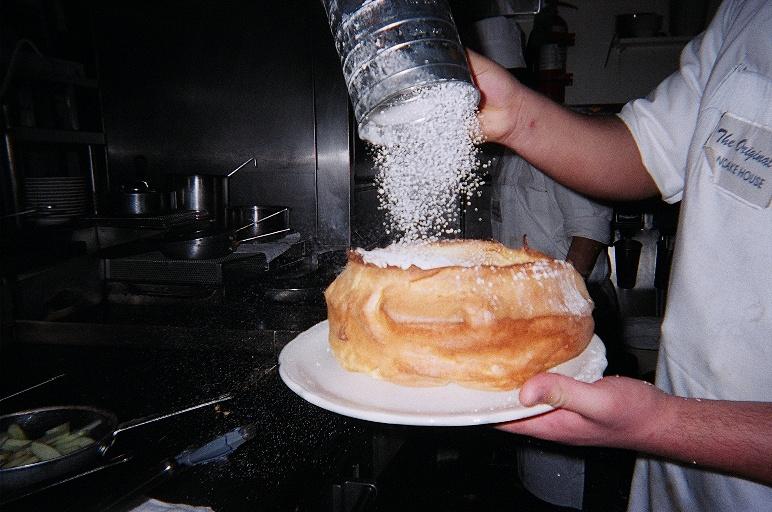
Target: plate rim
x: 452, y: 419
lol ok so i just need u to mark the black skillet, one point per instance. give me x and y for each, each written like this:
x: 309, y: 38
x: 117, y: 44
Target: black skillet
x: 35, y: 422
x: 214, y: 242
x: 208, y: 243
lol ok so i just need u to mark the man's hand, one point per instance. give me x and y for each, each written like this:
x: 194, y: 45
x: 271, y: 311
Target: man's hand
x: 501, y: 98
x: 730, y: 436
x: 615, y: 411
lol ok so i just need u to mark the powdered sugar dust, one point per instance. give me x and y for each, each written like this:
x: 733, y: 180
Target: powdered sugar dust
x: 426, y: 158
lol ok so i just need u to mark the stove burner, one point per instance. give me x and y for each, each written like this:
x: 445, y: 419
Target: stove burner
x: 305, y: 284
x: 161, y: 221
x: 251, y: 260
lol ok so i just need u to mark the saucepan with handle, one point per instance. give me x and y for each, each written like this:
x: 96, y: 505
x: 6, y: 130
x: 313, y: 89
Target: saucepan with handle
x: 259, y: 219
x: 214, y: 242
x: 62, y: 440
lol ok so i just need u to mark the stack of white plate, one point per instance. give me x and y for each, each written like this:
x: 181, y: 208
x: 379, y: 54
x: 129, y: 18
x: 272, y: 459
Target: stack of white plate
x: 56, y: 200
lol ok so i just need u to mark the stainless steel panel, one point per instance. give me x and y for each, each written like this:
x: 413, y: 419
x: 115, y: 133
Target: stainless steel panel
x: 334, y: 147
x: 199, y: 87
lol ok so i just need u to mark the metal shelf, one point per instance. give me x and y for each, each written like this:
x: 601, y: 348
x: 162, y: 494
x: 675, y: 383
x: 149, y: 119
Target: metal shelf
x: 620, y: 44
x: 650, y: 42
x: 52, y: 136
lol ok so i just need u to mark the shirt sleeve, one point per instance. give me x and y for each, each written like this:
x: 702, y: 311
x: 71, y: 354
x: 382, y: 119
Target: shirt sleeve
x: 582, y: 216
x: 663, y: 123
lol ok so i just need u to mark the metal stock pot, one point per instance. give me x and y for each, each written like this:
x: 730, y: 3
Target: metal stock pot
x: 140, y: 198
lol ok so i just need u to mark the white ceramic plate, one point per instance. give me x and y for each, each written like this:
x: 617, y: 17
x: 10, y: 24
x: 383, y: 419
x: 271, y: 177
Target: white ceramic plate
x: 308, y: 367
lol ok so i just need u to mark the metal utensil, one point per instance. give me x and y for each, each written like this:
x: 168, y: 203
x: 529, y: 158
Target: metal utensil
x: 218, y: 449
x: 47, y: 381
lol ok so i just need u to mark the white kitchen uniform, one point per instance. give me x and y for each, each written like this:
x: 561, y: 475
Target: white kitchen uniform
x: 705, y: 135
x: 525, y: 201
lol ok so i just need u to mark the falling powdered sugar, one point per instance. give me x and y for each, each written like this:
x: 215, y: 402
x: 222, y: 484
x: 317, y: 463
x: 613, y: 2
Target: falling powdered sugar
x: 426, y: 156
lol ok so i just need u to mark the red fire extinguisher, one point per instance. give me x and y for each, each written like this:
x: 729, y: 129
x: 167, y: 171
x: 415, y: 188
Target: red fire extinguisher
x: 546, y: 52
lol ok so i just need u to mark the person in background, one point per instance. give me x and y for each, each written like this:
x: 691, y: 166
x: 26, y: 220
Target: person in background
x: 703, y: 137
x: 529, y: 207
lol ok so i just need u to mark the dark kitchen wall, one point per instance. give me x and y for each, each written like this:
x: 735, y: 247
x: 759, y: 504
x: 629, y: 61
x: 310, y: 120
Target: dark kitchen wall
x: 198, y: 87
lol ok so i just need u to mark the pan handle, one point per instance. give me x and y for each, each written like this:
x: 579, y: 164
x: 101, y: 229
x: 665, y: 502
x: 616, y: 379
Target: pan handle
x: 123, y: 427
x: 121, y: 459
x: 33, y: 387
x: 274, y: 214
x: 237, y: 169
x: 264, y: 234
x: 258, y: 221
x: 242, y: 228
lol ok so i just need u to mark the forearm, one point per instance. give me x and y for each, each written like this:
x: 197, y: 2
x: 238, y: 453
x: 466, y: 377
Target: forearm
x: 593, y: 155
x: 735, y: 437
x: 583, y: 253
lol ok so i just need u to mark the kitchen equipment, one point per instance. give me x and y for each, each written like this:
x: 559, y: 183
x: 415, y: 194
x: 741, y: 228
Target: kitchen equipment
x: 389, y: 49
x: 151, y: 277
x: 218, y: 449
x: 141, y: 199
x: 627, y: 253
x: 6, y: 500
x: 56, y: 200
x: 300, y: 285
x: 162, y: 221
x: 34, y: 386
x: 35, y: 422
x: 638, y: 24
x: 208, y: 192
x: 209, y: 242
x: 203, y: 193
x: 40, y: 211
x: 259, y: 219
x: 215, y: 450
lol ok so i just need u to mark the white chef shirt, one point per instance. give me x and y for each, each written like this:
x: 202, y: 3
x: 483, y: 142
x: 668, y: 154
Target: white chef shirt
x: 525, y: 201
x: 717, y: 332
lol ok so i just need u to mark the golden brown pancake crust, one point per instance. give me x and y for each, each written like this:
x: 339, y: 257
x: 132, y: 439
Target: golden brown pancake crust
x: 512, y: 314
